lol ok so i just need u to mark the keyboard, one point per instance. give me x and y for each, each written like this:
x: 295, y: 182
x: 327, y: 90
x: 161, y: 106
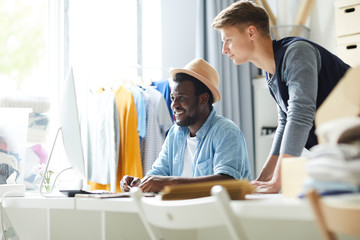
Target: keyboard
x: 100, y: 194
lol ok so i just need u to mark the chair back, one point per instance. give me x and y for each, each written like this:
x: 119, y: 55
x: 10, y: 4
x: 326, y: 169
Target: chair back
x: 333, y: 218
x: 189, y: 214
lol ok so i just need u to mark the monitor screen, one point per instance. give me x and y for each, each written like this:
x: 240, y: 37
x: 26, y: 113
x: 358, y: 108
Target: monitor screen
x: 69, y: 120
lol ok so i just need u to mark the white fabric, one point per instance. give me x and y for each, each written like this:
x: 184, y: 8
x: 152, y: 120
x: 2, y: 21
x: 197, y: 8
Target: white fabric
x: 189, y: 156
x: 161, y: 110
x: 101, y: 144
x: 335, y: 163
x: 150, y: 146
x: 305, y: 153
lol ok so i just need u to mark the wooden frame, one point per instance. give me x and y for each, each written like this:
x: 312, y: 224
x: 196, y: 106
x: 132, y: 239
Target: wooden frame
x: 333, y: 219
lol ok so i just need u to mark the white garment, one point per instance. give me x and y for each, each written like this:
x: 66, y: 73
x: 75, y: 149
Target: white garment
x: 189, y: 156
x: 161, y: 110
x: 101, y: 143
x: 305, y: 153
x: 335, y: 163
x: 150, y: 146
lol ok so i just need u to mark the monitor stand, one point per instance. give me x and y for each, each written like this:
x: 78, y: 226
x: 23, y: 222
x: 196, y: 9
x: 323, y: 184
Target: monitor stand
x: 74, y: 187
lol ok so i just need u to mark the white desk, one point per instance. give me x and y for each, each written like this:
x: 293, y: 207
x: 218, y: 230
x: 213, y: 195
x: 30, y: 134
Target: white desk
x: 36, y: 217
x: 261, y: 216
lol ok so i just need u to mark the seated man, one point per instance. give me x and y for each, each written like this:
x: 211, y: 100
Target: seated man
x: 201, y: 146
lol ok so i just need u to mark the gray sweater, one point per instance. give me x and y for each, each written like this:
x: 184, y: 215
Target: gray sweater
x: 301, y: 65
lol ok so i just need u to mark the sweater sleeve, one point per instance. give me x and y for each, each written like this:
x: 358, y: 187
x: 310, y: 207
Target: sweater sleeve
x: 275, y: 149
x: 301, y: 65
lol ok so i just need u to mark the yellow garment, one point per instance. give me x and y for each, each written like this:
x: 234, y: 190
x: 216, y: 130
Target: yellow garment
x: 129, y: 151
x: 98, y: 186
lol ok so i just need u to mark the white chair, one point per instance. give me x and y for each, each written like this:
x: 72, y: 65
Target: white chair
x: 189, y: 214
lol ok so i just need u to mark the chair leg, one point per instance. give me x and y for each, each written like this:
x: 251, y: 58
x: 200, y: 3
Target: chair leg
x: 314, y: 200
x: 232, y: 225
x: 136, y: 194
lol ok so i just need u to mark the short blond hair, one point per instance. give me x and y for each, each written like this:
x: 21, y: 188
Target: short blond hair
x: 243, y: 14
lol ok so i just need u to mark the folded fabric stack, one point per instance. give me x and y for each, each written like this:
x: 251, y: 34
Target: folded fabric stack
x: 334, y: 166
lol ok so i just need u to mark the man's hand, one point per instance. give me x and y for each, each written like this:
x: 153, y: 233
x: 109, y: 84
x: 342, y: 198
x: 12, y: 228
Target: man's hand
x: 273, y: 185
x: 155, y: 183
x: 127, y: 182
x: 266, y: 187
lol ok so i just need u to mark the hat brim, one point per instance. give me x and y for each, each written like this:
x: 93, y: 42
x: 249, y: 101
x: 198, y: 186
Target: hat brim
x: 215, y: 92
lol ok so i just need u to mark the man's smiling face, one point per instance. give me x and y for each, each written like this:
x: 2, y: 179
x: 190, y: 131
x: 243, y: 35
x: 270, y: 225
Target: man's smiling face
x: 185, y: 104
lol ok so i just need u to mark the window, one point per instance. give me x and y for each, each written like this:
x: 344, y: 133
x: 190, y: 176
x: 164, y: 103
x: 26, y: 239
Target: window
x: 111, y: 39
x: 23, y: 46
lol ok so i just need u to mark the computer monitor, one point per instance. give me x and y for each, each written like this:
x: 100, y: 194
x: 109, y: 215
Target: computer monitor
x: 69, y: 120
x: 70, y: 127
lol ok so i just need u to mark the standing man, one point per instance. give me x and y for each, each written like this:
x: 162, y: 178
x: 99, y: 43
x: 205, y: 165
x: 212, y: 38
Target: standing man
x: 202, y: 146
x: 300, y: 75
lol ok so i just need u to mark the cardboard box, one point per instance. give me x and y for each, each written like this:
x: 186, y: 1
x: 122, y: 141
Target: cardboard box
x: 343, y: 101
x: 293, y: 174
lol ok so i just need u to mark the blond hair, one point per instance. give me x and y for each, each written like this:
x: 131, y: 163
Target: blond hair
x: 242, y: 14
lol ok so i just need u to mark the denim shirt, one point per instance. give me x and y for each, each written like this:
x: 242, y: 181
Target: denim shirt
x: 221, y: 149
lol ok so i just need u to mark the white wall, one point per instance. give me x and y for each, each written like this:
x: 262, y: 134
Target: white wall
x: 322, y: 24
x: 178, y: 32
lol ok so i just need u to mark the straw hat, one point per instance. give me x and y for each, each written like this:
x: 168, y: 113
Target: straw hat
x: 204, y: 72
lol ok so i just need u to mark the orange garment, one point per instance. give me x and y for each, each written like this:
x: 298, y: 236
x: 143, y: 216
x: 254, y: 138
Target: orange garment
x: 129, y: 151
x: 98, y: 186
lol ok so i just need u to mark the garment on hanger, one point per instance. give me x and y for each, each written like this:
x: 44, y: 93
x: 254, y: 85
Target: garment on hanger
x: 164, y: 88
x: 102, y: 144
x: 129, y: 155
x: 152, y: 143
x: 140, y: 110
x: 159, y: 104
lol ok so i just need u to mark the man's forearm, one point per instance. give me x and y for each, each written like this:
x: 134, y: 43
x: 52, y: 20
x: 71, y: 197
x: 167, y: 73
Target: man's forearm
x: 276, y: 179
x: 267, y: 171
x: 181, y: 180
x: 157, y: 183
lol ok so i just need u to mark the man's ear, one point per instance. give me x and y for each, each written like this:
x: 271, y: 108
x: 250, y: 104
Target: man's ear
x: 204, y: 98
x: 252, y: 31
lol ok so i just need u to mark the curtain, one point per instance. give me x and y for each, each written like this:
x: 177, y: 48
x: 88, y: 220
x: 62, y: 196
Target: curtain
x: 235, y: 81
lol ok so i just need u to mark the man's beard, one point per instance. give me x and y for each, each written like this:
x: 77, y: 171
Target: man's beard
x: 190, y: 120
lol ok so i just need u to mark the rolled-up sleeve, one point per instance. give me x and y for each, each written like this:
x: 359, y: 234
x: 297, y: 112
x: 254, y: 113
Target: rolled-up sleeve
x: 231, y: 156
